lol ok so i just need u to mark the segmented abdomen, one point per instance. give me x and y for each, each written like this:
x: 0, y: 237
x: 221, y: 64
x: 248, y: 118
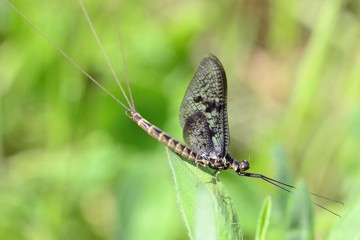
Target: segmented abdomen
x: 164, y: 138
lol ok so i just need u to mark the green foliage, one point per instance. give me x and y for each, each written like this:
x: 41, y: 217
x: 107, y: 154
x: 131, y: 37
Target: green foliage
x: 73, y: 166
x: 264, y: 219
x: 206, y: 209
x: 349, y: 225
x: 300, y: 217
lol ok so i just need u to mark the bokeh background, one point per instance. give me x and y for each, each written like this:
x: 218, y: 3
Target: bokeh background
x: 74, y: 166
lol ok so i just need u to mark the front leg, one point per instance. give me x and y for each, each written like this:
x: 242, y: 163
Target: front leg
x: 217, y: 173
x: 201, y: 163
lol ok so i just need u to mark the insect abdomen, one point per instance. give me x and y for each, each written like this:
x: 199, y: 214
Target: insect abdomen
x: 164, y: 138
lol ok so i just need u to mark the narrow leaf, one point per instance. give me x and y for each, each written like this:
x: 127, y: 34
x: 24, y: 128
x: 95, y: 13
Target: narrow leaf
x: 264, y: 218
x: 300, y: 215
x: 205, y: 206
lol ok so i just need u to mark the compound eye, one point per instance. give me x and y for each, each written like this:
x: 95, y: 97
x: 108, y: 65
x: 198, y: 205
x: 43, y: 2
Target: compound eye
x: 244, y: 165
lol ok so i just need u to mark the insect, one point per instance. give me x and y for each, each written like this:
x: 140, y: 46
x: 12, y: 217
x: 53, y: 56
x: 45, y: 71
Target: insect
x: 203, y: 116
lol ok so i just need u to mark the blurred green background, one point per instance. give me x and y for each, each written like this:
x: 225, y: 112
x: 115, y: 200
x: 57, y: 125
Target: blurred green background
x: 74, y: 166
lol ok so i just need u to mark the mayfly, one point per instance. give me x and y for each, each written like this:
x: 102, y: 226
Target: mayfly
x: 203, y: 115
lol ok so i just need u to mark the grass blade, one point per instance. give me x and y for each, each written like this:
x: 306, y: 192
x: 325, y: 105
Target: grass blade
x: 300, y: 215
x: 264, y: 219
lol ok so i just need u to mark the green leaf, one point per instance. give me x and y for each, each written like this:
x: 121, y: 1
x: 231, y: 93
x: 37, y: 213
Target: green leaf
x: 349, y: 226
x: 205, y: 206
x: 300, y: 215
x: 264, y: 218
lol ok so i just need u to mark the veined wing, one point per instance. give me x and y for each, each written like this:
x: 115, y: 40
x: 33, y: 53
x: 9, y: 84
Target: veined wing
x: 203, y: 112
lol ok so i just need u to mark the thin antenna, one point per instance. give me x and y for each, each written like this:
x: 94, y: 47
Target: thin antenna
x: 43, y: 35
x: 281, y: 185
x: 108, y: 62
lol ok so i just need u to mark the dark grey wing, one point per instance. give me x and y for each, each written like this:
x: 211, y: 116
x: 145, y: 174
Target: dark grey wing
x: 197, y: 134
x: 206, y: 96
